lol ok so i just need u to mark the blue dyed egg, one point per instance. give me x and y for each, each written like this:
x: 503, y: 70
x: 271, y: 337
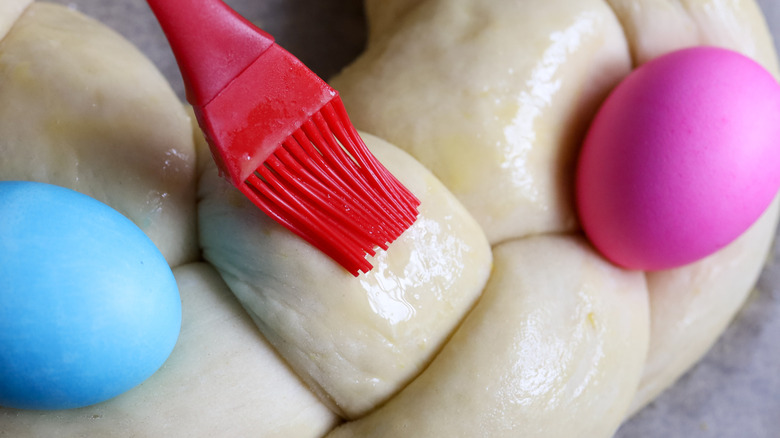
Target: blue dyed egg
x: 88, y: 305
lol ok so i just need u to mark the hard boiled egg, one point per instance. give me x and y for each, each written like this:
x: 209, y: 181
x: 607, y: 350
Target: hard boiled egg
x: 88, y: 305
x: 682, y: 157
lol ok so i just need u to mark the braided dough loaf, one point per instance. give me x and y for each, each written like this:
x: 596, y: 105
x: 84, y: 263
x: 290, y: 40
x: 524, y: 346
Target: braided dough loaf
x: 491, y: 316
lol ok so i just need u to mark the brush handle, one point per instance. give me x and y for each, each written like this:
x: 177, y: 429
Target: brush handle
x: 212, y: 43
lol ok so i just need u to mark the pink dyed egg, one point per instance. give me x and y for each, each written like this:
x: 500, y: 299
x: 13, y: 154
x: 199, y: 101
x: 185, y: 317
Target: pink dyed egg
x: 682, y: 157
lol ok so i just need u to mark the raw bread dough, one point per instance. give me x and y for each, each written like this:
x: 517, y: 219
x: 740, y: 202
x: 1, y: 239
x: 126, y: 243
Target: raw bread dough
x: 223, y: 379
x: 83, y: 108
x: 415, y: 72
x: 356, y: 341
x: 554, y: 348
x: 492, y: 96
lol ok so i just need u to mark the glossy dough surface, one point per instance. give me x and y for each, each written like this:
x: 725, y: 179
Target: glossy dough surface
x: 355, y: 341
x: 558, y: 334
x: 492, y: 99
x: 689, y: 306
x: 479, y: 107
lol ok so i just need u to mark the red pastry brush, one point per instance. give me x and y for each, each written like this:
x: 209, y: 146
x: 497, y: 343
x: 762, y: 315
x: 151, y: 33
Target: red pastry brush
x: 281, y: 135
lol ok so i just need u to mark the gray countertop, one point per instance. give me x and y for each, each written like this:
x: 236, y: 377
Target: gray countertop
x: 733, y: 392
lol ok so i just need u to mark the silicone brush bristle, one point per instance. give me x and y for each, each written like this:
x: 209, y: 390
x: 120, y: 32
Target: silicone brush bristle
x: 282, y: 136
x: 323, y: 184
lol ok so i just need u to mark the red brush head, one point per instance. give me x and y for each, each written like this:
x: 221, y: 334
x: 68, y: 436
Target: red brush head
x: 323, y: 184
x: 282, y: 136
x: 248, y: 120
